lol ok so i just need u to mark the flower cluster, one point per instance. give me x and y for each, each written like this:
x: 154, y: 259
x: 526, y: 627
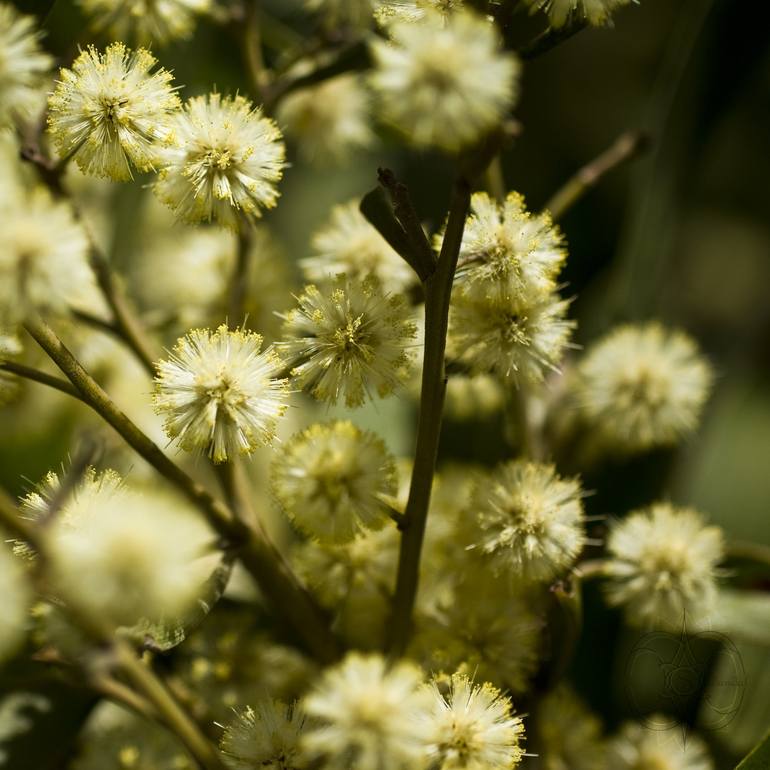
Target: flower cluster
x: 506, y: 315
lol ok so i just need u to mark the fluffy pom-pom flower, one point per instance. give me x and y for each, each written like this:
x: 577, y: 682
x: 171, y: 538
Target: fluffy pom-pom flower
x: 110, y: 111
x: 444, y: 81
x: 266, y: 735
x: 473, y: 727
x: 330, y: 479
x: 134, y: 557
x: 23, y: 66
x: 43, y: 259
x: 490, y: 330
x: 663, y: 566
x: 347, y: 340
x: 388, y: 11
x: 658, y: 744
x: 595, y: 12
x: 226, y: 158
x: 368, y: 715
x: 530, y: 519
x: 504, y: 245
x: 219, y: 394
x: 15, y: 595
x: 643, y: 386
x: 145, y: 20
x: 350, y: 244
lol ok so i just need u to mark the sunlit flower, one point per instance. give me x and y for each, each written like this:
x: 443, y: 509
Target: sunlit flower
x: 145, y: 20
x: 328, y: 120
x: 473, y: 727
x: 530, y: 519
x: 661, y: 746
x: 367, y: 715
x: 643, y: 386
x: 43, y: 259
x: 330, y: 479
x: 663, y: 566
x: 595, y: 12
x: 226, y: 158
x: 350, y: 244
x: 23, y: 66
x: 266, y: 735
x: 110, y: 111
x: 444, y: 81
x: 348, y: 340
x: 218, y: 393
x: 490, y: 330
x: 505, y: 246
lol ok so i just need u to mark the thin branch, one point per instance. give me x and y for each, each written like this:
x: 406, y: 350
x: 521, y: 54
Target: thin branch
x: 553, y: 37
x: 748, y: 551
x: 438, y: 290
x: 626, y: 147
x: 28, y: 373
x: 258, y: 554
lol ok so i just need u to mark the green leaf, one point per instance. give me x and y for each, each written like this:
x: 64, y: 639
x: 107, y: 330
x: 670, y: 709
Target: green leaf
x: 759, y: 758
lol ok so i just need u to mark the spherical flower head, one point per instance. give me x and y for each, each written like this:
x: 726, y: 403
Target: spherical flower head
x: 663, y: 566
x: 530, y: 520
x: 329, y: 120
x: 348, y: 340
x: 350, y: 244
x: 219, y: 394
x: 505, y: 246
x: 491, y: 330
x: 473, y: 726
x: 226, y: 159
x: 481, y: 625
x: 111, y: 112
x: 568, y: 734
x: 145, y: 20
x: 388, y: 11
x: 643, y: 386
x: 265, y: 736
x: 444, y: 81
x: 43, y: 259
x: 330, y: 479
x: 473, y: 397
x: 23, y: 67
x: 595, y: 12
x: 368, y: 715
x: 657, y: 745
x: 136, y: 558
x: 16, y: 594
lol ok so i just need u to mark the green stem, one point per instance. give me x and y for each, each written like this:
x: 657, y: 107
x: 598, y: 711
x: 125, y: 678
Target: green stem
x: 625, y: 148
x: 438, y: 291
x: 258, y: 554
x: 35, y: 375
x: 742, y: 549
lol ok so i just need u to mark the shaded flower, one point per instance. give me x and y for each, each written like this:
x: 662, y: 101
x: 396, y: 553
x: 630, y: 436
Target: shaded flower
x: 444, y: 81
x: 330, y: 479
x: 663, y: 565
